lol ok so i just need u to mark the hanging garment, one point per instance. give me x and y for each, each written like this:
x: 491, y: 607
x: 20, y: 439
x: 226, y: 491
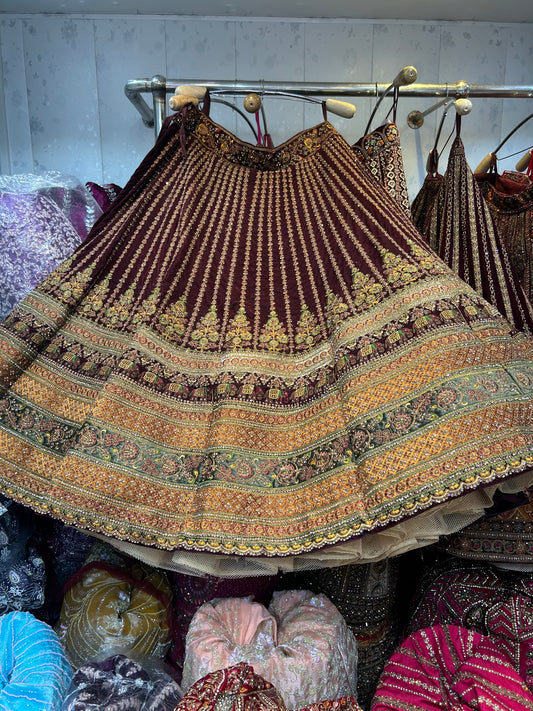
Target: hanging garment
x: 381, y: 154
x: 449, y: 667
x: 104, y: 194
x: 423, y: 203
x: 462, y: 233
x: 348, y: 586
x: 253, y: 356
x: 42, y: 221
x: 510, y: 201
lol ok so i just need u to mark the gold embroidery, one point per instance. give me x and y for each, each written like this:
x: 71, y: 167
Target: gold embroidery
x: 273, y: 335
x: 148, y: 307
x: 73, y: 288
x: 239, y: 333
x: 307, y: 329
x: 94, y: 301
x: 57, y: 276
x: 336, y: 310
x: 428, y: 261
x: 398, y: 270
x: 173, y: 321
x: 207, y: 334
x: 119, y: 312
x: 367, y: 291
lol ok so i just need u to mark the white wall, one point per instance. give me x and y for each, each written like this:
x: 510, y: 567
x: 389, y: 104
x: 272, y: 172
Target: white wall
x: 62, y: 104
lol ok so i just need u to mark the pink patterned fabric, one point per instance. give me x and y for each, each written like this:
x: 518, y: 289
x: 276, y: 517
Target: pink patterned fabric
x: 239, y: 688
x: 478, y: 596
x: 192, y: 591
x: 301, y: 644
x: 449, y: 667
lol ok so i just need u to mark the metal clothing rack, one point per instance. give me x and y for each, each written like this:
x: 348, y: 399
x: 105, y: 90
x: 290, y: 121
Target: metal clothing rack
x: 159, y: 86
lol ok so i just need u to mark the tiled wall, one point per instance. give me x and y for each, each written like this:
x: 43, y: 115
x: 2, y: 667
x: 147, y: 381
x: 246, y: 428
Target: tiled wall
x: 62, y: 104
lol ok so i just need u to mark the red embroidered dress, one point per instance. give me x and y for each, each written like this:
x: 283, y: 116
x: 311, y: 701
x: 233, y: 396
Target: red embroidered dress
x: 254, y: 355
x: 461, y: 230
x: 381, y: 153
x: 510, y: 200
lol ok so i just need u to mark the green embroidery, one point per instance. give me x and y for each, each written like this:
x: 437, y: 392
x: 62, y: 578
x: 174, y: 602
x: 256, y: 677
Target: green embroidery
x: 273, y: 335
x: 173, y: 321
x: 207, y: 334
x: 367, y: 291
x: 57, y: 276
x: 121, y: 310
x: 430, y: 262
x: 336, y: 310
x: 239, y: 333
x: 93, y: 303
x: 307, y: 329
x: 398, y: 270
x: 147, y: 308
x: 72, y: 289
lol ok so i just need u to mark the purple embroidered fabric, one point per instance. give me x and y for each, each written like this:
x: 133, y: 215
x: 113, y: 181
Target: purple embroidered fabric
x: 42, y: 221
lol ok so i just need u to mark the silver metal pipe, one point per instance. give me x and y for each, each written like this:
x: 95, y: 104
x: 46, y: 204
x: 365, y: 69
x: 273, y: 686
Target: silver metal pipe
x: 133, y: 91
x: 160, y: 86
x: 159, y: 98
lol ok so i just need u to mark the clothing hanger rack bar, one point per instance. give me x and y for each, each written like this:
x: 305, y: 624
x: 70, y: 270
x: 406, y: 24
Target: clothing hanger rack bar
x: 159, y: 87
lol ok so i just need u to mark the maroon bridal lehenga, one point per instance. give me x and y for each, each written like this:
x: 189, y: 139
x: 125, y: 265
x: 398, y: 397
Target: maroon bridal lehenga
x: 253, y: 362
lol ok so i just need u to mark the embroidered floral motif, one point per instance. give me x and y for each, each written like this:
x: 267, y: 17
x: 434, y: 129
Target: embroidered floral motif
x: 207, y: 335
x: 273, y: 335
x: 427, y: 261
x: 336, y: 310
x: 399, y: 270
x: 68, y: 291
x: 367, y: 291
x: 120, y: 311
x: 93, y: 303
x: 147, y: 308
x: 57, y: 276
x: 173, y: 321
x: 307, y: 329
x: 239, y: 334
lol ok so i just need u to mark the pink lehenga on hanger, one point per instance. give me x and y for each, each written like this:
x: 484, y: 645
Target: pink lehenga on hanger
x: 253, y: 356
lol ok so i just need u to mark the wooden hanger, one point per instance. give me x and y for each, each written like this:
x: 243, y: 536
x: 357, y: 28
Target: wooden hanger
x: 524, y: 162
x: 490, y: 160
x: 405, y: 76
